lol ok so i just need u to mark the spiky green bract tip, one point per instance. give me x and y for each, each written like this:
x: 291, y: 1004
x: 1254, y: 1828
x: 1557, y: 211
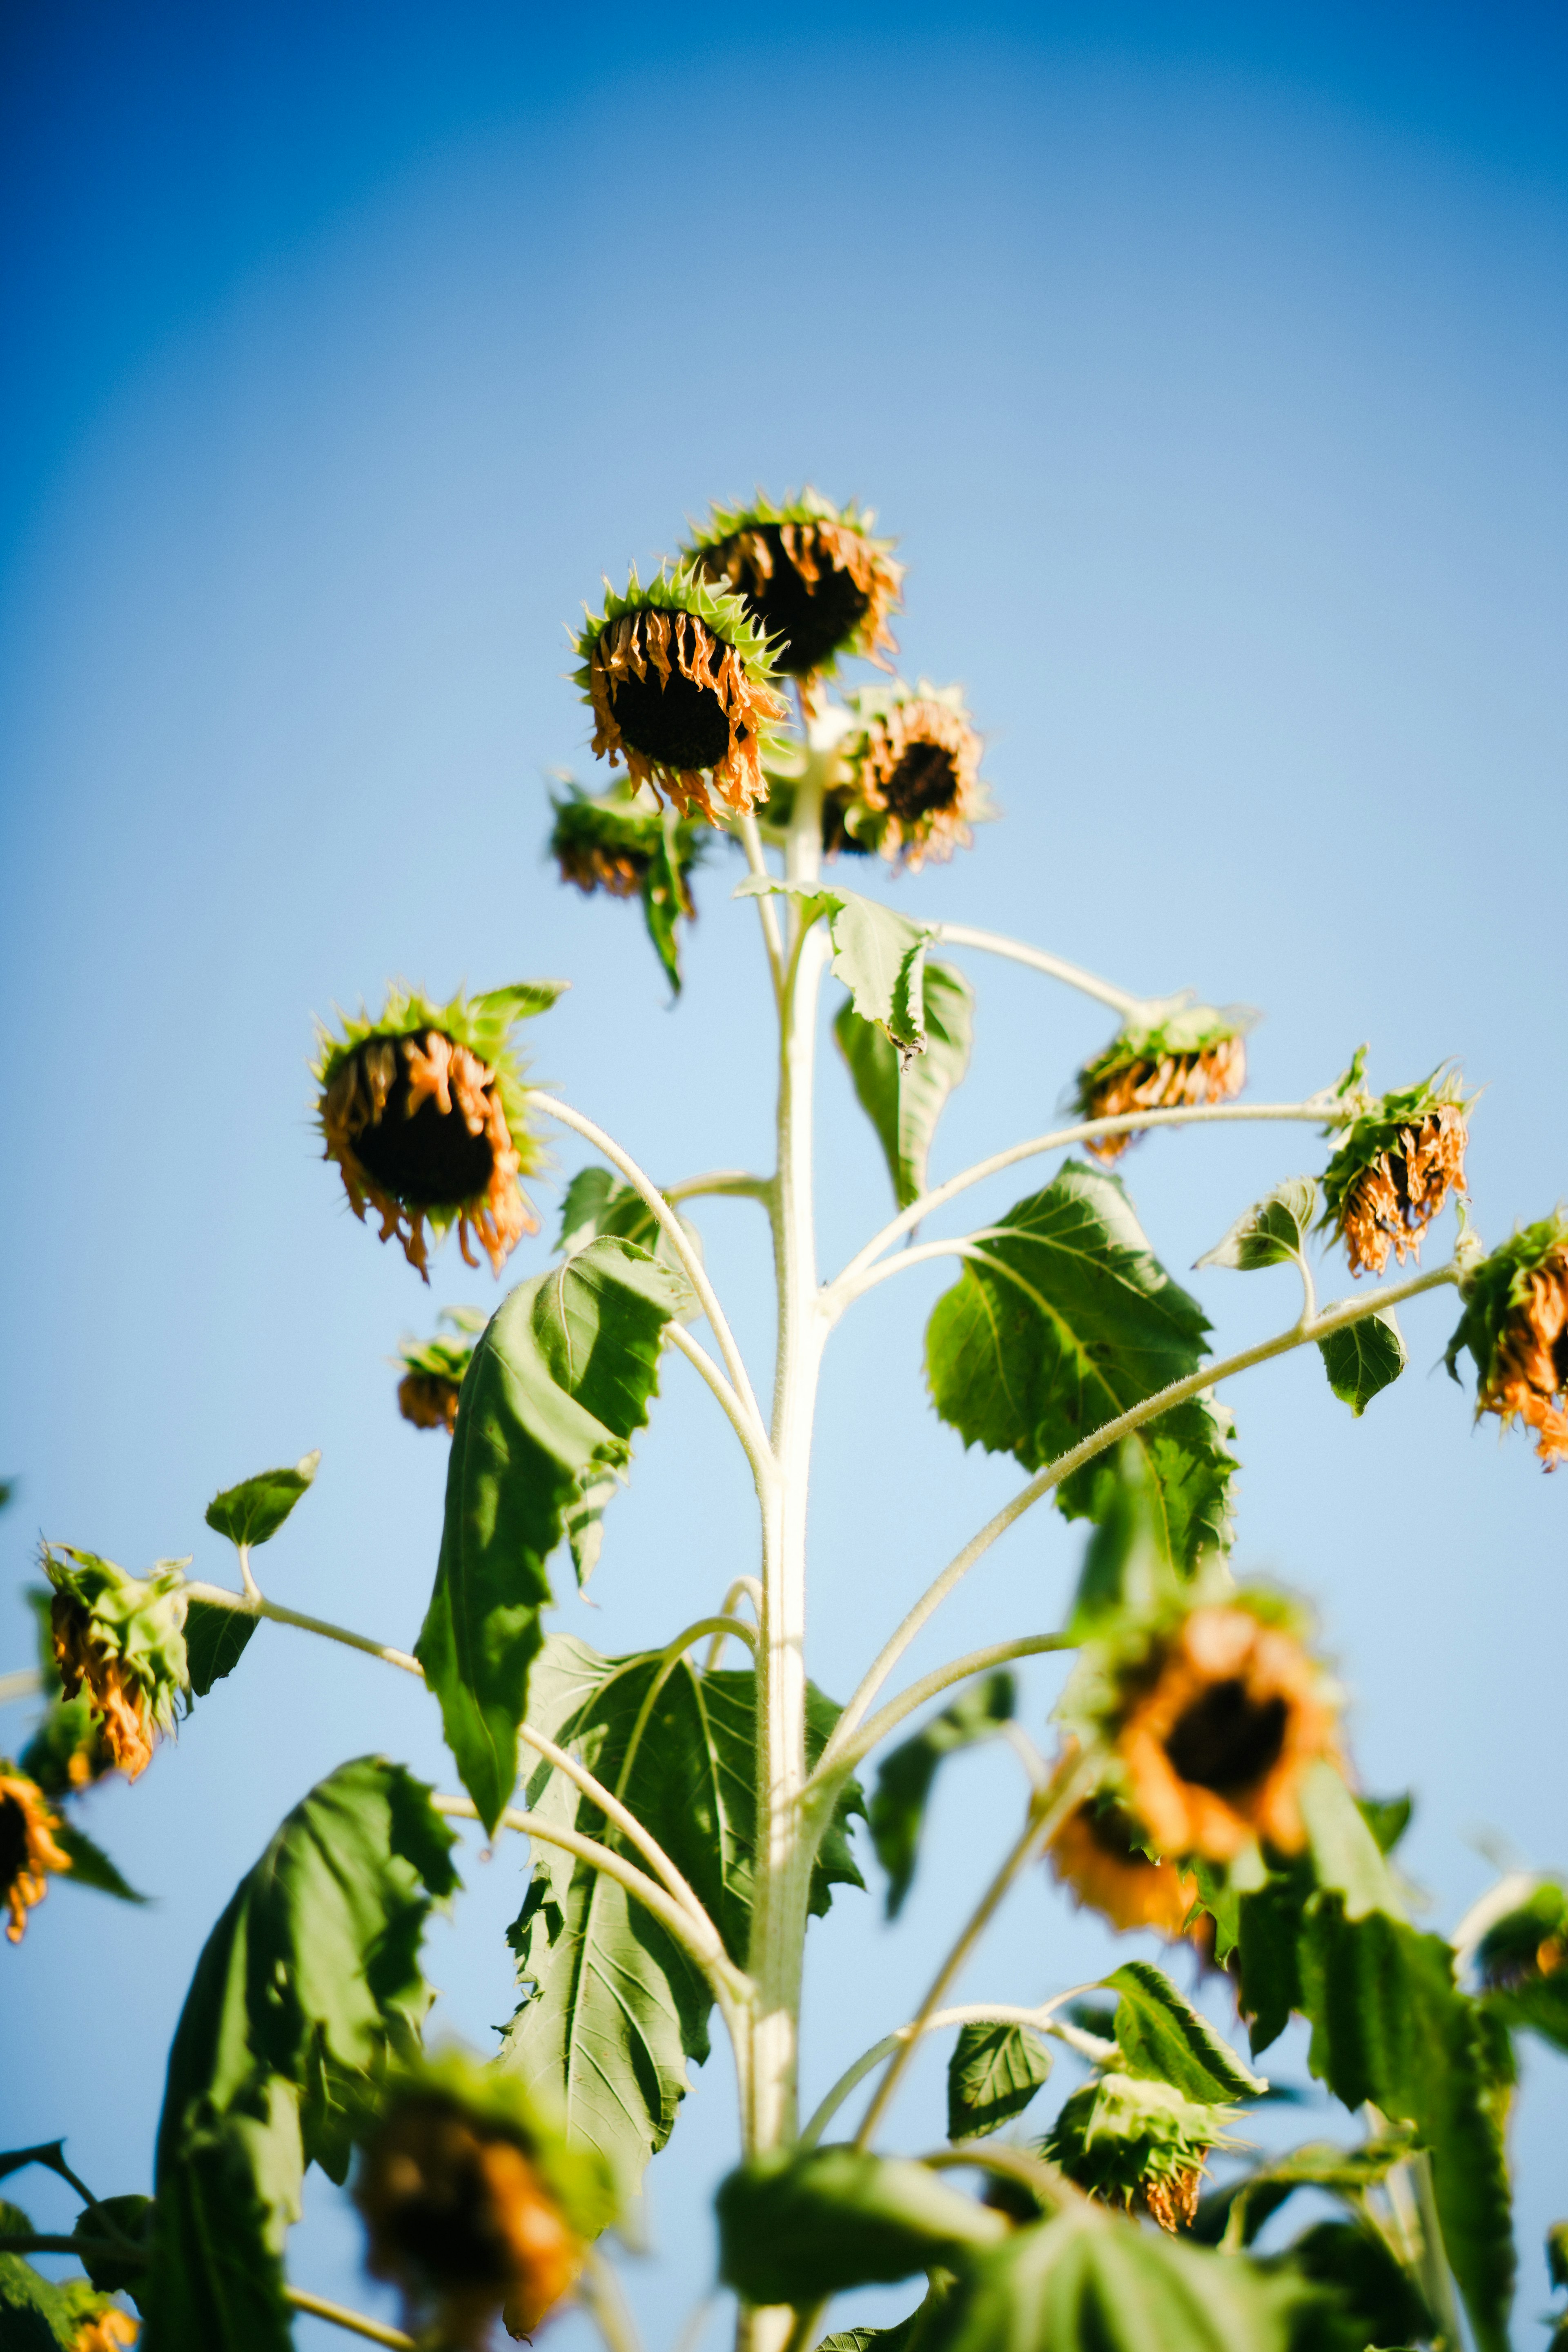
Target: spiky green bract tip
x: 683, y: 687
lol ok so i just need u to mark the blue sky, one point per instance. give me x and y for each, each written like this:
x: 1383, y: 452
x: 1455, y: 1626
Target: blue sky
x: 1211, y: 370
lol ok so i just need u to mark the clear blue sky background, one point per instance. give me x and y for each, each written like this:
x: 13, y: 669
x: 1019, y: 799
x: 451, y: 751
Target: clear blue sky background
x: 1210, y: 365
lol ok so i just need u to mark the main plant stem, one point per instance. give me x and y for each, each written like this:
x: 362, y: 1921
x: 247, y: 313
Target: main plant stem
x: 783, y: 1865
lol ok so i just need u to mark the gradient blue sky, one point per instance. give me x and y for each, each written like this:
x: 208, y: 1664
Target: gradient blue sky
x: 1210, y: 365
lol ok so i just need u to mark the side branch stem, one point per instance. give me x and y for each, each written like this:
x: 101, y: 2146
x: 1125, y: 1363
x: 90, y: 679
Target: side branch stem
x: 822, y: 1789
x: 691, y: 1264
x: 1318, y: 1327
x: 964, y: 935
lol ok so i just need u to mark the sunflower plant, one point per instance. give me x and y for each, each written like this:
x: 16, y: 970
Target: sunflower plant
x: 690, y: 1810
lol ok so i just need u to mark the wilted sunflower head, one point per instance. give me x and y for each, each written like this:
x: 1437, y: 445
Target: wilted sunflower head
x: 1135, y: 2143
x: 1515, y: 1325
x: 28, y: 1853
x: 120, y: 1642
x: 1184, y: 1053
x: 1528, y: 1942
x: 817, y: 582
x: 613, y: 841
x: 682, y: 684
x: 472, y: 2206
x: 427, y: 1392
x: 1397, y: 1162
x: 910, y: 786
x: 424, y: 1110
x: 1099, y: 1855
x: 1212, y: 1717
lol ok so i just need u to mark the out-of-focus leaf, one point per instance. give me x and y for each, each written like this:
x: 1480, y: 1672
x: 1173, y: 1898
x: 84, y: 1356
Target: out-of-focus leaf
x: 1163, y: 2037
x: 115, y: 2274
x: 796, y: 2230
x: 215, y: 1640
x: 1364, y: 1359
x: 521, y: 999
x: 1089, y: 2279
x: 252, y: 1512
x: 90, y: 1866
x: 613, y: 2009
x: 37, y: 2313
x: 905, y: 1104
x: 1345, y: 2171
x: 1061, y: 1322
x: 1378, y: 2300
x: 313, y: 1964
x: 1127, y: 1572
x: 993, y: 2074
x: 905, y: 2336
x: 904, y: 1780
x: 561, y: 1379
x: 1272, y: 1232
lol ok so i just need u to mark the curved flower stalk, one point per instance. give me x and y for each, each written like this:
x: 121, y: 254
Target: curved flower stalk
x: 680, y: 681
x: 819, y: 585
x: 1397, y: 1165
x: 1515, y: 1325
x: 1183, y: 1054
x: 424, y: 1110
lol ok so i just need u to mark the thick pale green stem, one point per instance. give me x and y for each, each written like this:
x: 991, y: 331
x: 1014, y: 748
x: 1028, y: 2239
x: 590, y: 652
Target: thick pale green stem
x: 782, y: 1868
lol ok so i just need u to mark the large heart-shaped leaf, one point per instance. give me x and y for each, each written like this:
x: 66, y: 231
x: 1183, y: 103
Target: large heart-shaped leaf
x: 558, y: 1383
x: 615, y: 2009
x: 1061, y: 1320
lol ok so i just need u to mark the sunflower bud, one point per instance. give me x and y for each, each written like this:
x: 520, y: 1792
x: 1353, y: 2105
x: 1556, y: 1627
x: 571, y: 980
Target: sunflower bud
x: 1137, y: 2144
x: 911, y: 786
x: 473, y: 2207
x: 680, y: 682
x: 1098, y: 1855
x: 1515, y: 1325
x: 425, y: 1113
x: 427, y: 1392
x: 1191, y: 1054
x: 29, y: 1856
x: 1212, y: 1719
x: 817, y: 582
x: 1399, y: 1160
x: 120, y: 1642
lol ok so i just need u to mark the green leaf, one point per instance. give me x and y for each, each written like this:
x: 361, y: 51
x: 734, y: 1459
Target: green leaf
x: 666, y: 899
x: 215, y: 1640
x: 1346, y: 1856
x: 904, y: 1779
x: 993, y: 2074
x: 1557, y: 2253
x: 1164, y: 2040
x: 1379, y: 2301
x: 252, y: 1512
x: 559, y: 1381
x: 1090, y: 2279
x: 796, y: 2230
x: 520, y: 1001
x: 313, y: 1964
x: 905, y: 2336
x: 1259, y: 2194
x: 90, y: 1866
x: 37, y: 2313
x: 879, y: 955
x: 1063, y: 1320
x: 1127, y: 1572
x: 115, y: 2274
x: 1390, y: 2025
x: 1272, y: 1232
x: 1363, y: 1357
x: 616, y: 2010
x: 598, y: 1203
x: 905, y: 1104
x: 1267, y: 1946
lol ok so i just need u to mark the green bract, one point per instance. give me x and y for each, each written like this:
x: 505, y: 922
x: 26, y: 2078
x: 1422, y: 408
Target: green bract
x: 694, y: 729
x: 1125, y: 2138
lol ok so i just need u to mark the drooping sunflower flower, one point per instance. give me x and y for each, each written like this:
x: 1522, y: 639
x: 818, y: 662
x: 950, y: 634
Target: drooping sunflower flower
x: 1214, y: 1719
x: 29, y: 1856
x: 1137, y: 2144
x: 1098, y: 1855
x: 818, y: 583
x: 120, y: 1642
x: 1515, y: 1325
x: 427, y: 1392
x: 623, y: 842
x: 424, y: 1110
x: 1188, y: 1053
x: 682, y: 684
x: 911, y: 787
x: 471, y: 2208
x: 1397, y: 1162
